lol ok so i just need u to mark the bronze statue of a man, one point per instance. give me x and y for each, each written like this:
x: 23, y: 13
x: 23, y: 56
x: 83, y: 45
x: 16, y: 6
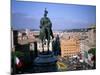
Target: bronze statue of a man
x: 45, y: 30
x: 46, y: 23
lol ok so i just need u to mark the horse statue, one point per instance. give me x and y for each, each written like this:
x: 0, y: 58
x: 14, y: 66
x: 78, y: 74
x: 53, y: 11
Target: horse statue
x: 45, y: 30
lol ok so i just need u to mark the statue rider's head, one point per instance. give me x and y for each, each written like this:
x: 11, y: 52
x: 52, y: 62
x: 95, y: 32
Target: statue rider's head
x: 45, y: 13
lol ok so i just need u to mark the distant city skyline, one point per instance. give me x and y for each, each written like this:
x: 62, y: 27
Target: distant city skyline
x: 27, y: 15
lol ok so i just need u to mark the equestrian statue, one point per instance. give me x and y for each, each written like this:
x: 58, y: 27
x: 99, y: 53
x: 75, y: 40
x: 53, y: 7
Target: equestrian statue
x: 45, y: 30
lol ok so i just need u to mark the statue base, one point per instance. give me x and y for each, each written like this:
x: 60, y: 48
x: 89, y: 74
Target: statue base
x: 45, y: 62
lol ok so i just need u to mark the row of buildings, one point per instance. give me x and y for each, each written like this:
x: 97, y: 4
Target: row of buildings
x: 78, y: 41
x: 72, y: 41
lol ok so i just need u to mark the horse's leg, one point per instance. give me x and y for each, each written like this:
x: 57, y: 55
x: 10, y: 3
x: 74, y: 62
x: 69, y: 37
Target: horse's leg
x: 48, y: 38
x: 48, y: 46
x: 42, y: 47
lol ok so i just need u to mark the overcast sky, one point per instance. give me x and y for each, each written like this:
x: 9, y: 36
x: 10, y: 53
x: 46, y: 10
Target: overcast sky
x: 63, y: 16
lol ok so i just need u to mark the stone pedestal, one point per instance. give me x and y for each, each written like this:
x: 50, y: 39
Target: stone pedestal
x: 45, y: 62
